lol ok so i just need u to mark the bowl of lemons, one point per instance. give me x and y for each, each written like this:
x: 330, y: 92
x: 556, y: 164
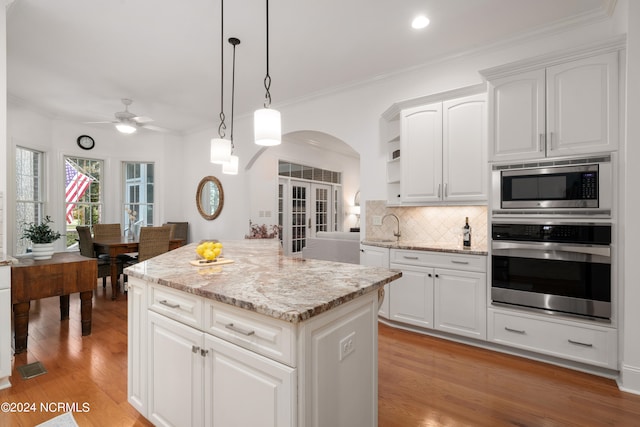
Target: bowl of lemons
x: 209, y: 251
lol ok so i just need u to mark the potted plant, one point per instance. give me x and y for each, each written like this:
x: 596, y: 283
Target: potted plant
x: 42, y: 238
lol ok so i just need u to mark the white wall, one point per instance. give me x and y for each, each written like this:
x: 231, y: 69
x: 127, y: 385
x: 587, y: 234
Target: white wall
x: 630, y: 370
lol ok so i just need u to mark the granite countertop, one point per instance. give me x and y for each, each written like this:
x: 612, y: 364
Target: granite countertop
x: 424, y: 246
x: 262, y: 280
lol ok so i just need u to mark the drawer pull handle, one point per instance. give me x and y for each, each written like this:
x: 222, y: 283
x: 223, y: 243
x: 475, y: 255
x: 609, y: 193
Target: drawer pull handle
x: 169, y: 304
x: 239, y: 330
x: 516, y: 331
x: 410, y: 257
x: 459, y: 262
x: 195, y: 349
x: 583, y: 344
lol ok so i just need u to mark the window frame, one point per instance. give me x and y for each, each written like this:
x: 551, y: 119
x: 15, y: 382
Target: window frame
x: 94, y: 207
x: 131, y: 210
x: 38, y: 203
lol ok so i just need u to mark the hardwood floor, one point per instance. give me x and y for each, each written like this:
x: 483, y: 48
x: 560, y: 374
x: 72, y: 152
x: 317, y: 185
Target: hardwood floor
x: 423, y: 381
x: 91, y: 369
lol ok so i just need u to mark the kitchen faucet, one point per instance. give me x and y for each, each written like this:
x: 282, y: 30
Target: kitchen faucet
x: 397, y: 233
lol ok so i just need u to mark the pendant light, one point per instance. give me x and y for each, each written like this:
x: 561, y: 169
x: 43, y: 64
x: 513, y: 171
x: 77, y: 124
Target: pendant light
x: 231, y: 167
x: 221, y: 147
x: 266, y: 121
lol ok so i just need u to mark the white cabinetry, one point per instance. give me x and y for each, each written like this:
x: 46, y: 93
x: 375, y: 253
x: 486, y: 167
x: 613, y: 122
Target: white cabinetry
x: 374, y: 256
x: 440, y: 291
x: 443, y: 147
x: 175, y: 371
x: 578, y: 341
x: 5, y: 326
x: 209, y: 363
x: 567, y: 108
x: 393, y: 161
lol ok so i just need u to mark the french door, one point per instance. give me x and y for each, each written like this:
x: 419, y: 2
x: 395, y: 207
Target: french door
x: 306, y: 208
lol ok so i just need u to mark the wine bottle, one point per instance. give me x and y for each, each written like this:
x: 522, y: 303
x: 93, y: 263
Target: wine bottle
x: 466, y: 234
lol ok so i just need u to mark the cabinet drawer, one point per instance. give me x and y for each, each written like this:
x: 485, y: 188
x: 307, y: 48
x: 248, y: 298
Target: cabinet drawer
x: 440, y: 260
x: 582, y: 343
x: 272, y: 338
x: 181, y: 306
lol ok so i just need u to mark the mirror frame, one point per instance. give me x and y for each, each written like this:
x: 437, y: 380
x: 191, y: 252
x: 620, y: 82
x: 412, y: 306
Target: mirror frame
x: 201, y: 185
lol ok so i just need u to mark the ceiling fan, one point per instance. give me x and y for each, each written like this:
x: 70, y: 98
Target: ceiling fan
x: 128, y: 122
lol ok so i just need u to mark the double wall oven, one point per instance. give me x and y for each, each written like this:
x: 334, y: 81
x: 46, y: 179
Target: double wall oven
x: 551, y: 236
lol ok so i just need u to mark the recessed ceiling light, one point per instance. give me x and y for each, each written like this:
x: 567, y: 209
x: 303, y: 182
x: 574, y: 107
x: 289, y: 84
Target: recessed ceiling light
x: 420, y: 22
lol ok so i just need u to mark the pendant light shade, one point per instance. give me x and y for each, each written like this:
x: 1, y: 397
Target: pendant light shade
x: 231, y: 167
x: 266, y: 121
x: 266, y: 126
x: 220, y: 150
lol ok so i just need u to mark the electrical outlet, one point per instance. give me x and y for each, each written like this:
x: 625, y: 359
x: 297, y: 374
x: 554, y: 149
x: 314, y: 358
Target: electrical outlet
x: 347, y: 345
x: 377, y: 220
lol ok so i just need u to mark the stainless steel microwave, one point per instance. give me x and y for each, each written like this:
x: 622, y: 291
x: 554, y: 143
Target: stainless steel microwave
x: 559, y: 186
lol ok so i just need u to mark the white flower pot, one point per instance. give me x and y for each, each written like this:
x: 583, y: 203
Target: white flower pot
x: 42, y: 251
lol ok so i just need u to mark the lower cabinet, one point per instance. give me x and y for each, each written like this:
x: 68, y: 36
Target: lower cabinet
x: 198, y: 379
x: 5, y: 326
x: 429, y: 295
x: 572, y: 340
x: 375, y: 256
x: 198, y: 362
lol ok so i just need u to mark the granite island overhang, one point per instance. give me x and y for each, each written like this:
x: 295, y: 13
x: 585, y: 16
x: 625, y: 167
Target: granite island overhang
x: 262, y: 280
x: 295, y: 340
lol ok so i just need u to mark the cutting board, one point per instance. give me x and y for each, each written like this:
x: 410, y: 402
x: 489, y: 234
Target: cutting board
x: 204, y: 263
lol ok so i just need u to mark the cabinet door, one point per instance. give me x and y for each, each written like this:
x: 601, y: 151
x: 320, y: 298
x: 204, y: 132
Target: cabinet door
x: 582, y: 106
x: 464, y: 146
x: 460, y: 303
x: 411, y: 296
x: 137, y: 345
x: 175, y: 373
x: 242, y: 388
x: 421, y: 154
x: 5, y: 330
x: 373, y: 256
x: 517, y: 116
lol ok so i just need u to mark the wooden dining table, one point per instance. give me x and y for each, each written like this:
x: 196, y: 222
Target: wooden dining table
x: 121, y: 246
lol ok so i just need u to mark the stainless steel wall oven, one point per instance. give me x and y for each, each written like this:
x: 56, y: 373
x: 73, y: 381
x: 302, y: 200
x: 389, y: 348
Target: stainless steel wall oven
x: 562, y: 268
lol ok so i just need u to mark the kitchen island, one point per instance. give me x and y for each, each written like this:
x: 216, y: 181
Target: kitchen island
x: 264, y: 340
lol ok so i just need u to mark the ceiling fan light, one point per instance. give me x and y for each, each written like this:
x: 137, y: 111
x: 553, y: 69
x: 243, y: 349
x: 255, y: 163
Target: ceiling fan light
x: 266, y: 127
x: 231, y: 167
x: 220, y: 150
x: 125, y: 128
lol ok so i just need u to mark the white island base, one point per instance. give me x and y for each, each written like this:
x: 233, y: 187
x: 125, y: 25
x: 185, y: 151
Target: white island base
x: 239, y: 368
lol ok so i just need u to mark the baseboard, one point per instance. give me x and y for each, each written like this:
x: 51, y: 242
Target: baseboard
x: 629, y: 380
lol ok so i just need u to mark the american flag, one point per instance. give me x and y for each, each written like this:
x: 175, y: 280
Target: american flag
x: 77, y: 183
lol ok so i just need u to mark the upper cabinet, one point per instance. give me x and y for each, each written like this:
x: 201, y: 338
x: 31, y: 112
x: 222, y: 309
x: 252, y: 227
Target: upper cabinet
x: 443, y: 146
x: 557, y: 107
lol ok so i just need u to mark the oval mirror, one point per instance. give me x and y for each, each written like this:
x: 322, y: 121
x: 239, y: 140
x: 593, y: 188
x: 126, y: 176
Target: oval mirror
x: 209, y: 197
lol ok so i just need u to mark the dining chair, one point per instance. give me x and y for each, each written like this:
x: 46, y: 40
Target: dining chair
x: 153, y: 241
x: 85, y: 242
x: 106, y: 231
x: 181, y: 231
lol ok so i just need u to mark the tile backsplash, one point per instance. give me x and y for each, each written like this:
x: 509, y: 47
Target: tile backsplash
x: 427, y: 224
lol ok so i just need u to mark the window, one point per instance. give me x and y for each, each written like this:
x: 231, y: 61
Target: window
x: 29, y: 193
x: 83, y: 194
x: 138, y: 195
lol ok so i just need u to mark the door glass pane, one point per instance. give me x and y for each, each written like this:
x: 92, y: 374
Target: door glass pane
x: 322, y: 209
x: 299, y: 218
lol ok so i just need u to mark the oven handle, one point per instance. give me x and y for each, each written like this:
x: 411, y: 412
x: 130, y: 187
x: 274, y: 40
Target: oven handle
x: 545, y: 246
